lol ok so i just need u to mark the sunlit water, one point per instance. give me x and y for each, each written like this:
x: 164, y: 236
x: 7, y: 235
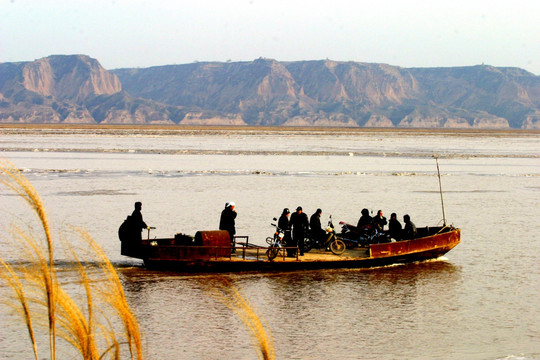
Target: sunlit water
x: 479, y: 302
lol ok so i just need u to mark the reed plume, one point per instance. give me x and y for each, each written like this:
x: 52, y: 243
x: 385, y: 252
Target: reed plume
x: 37, y: 290
x: 13, y: 179
x: 14, y: 281
x: 113, y: 293
x: 91, y: 328
x: 226, y: 292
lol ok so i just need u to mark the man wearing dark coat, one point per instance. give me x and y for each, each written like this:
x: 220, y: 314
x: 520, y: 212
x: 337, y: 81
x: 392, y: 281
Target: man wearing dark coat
x: 299, y: 224
x: 409, y: 231
x: 137, y: 221
x: 394, y: 227
x: 364, y: 220
x: 317, y: 233
x: 227, y: 222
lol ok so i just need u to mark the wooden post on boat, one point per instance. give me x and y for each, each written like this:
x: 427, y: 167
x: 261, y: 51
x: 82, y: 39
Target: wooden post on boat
x: 440, y: 190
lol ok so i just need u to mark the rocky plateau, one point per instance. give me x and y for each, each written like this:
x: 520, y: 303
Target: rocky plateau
x: 76, y: 89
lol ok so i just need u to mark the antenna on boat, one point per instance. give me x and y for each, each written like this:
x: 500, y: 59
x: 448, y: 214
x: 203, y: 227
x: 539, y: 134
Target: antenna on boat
x: 440, y: 189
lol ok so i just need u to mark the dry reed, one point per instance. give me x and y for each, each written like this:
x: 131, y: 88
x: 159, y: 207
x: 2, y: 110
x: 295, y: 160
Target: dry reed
x: 37, y: 290
x: 90, y: 328
x: 226, y: 292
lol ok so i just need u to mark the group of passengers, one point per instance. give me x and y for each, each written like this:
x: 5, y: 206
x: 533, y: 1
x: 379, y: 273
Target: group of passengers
x: 295, y: 229
x: 298, y: 227
x: 395, y: 230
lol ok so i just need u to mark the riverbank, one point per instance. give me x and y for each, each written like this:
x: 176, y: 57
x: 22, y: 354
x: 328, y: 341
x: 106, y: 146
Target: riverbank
x: 183, y: 129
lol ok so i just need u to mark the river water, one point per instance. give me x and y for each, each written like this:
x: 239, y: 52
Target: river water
x: 481, y: 301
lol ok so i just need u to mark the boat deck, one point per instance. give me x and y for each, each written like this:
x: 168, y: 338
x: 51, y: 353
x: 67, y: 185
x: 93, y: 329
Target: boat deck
x: 259, y: 254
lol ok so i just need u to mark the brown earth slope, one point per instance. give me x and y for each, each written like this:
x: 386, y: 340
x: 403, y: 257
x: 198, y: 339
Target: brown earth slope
x: 76, y: 89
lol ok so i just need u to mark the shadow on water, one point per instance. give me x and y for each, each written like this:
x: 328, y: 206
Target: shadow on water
x: 138, y: 278
x: 137, y: 271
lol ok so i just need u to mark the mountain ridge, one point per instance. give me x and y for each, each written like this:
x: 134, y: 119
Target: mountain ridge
x: 77, y: 89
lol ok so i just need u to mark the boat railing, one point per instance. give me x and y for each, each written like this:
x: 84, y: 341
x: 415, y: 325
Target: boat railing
x: 431, y: 231
x: 260, y: 251
x: 246, y: 237
x: 446, y: 228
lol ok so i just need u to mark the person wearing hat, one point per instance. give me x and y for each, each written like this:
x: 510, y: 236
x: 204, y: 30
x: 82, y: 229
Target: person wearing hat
x: 227, y: 222
x: 299, y: 224
x: 283, y: 224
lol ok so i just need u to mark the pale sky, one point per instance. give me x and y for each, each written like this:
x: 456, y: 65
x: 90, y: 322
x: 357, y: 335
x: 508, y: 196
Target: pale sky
x: 408, y: 33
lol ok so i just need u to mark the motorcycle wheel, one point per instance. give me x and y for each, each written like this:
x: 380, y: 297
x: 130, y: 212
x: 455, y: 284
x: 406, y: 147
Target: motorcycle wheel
x: 272, y: 253
x: 337, y: 247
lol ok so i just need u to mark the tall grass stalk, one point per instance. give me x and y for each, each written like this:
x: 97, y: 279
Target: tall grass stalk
x: 14, y: 282
x: 225, y: 291
x: 13, y: 179
x: 114, y: 294
x: 38, y: 292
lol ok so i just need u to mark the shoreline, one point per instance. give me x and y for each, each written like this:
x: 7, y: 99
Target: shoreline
x: 54, y: 128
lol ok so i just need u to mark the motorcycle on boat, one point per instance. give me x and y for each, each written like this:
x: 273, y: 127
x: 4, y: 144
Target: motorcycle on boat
x: 328, y: 242
x: 363, y: 237
x: 275, y: 243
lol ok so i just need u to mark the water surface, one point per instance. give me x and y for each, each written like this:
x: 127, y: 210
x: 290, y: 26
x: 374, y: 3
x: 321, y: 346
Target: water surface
x: 479, y: 302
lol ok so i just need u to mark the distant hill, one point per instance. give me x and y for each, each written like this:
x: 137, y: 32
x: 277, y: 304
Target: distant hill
x: 72, y: 89
x: 76, y: 89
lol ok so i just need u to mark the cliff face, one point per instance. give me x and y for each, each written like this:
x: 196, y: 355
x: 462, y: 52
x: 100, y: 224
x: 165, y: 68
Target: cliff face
x: 505, y: 95
x: 76, y: 89
x: 330, y: 93
x: 71, y: 89
x: 74, y: 78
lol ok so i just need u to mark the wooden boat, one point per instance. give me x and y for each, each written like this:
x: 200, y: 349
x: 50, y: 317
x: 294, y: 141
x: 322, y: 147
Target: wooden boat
x: 211, y: 251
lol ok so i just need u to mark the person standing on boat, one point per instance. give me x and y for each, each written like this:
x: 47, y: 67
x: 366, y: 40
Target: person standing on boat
x: 227, y: 222
x: 299, y: 224
x: 409, y: 231
x: 284, y: 224
x: 394, y: 227
x: 380, y: 220
x: 137, y: 221
x: 317, y: 233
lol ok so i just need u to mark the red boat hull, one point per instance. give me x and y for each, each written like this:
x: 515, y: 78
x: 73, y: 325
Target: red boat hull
x: 164, y: 255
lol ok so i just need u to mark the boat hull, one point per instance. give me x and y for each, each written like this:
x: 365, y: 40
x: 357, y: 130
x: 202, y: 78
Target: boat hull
x: 212, y: 259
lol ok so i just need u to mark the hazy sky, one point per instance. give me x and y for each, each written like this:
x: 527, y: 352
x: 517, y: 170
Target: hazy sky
x: 407, y: 33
